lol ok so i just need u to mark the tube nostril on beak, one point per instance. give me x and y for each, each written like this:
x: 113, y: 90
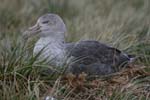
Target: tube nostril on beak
x: 34, y: 28
x: 31, y: 31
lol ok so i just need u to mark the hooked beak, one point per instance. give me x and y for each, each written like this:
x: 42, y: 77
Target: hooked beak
x: 34, y: 30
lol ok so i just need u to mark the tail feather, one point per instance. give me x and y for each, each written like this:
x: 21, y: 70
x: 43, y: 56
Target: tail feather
x: 132, y: 58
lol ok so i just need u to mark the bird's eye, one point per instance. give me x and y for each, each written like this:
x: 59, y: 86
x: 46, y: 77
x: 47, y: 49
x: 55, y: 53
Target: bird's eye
x: 45, y: 22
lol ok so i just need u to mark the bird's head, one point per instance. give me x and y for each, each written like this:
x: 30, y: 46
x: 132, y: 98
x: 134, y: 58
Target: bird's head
x: 47, y: 25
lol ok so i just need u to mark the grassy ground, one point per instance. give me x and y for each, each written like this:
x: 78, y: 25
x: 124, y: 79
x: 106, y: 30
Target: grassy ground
x: 124, y: 24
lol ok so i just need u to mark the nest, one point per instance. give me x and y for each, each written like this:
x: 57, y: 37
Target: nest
x: 134, y: 80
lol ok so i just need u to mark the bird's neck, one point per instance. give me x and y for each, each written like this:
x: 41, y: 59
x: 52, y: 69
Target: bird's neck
x: 52, y: 40
x: 53, y: 37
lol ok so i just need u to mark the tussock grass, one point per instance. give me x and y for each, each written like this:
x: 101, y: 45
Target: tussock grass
x: 122, y: 24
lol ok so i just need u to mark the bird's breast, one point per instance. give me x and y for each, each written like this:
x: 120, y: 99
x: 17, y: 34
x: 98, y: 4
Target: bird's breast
x: 53, y: 52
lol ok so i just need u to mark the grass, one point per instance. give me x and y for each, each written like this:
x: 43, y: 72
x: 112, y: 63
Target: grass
x: 122, y: 24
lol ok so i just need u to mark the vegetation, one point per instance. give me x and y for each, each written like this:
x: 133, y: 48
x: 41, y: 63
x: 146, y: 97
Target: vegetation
x: 124, y: 24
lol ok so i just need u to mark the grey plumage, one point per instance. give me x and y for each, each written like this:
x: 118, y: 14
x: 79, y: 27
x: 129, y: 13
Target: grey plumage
x: 94, y: 57
x: 91, y: 57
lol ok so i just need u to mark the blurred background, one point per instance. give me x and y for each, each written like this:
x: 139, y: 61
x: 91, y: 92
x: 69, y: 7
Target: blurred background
x: 124, y: 24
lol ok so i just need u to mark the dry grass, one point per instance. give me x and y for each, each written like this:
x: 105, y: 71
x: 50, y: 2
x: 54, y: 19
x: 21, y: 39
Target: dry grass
x: 131, y: 83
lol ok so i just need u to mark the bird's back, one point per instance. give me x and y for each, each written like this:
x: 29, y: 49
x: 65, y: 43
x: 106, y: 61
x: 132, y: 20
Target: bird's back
x: 91, y: 52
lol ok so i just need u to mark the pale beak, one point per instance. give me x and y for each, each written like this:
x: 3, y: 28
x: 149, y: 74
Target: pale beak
x: 32, y: 31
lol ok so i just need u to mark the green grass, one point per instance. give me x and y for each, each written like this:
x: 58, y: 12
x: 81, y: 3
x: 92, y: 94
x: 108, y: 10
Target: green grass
x: 122, y: 24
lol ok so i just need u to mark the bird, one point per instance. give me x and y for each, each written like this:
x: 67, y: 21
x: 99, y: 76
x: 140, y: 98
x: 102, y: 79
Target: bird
x: 89, y: 56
